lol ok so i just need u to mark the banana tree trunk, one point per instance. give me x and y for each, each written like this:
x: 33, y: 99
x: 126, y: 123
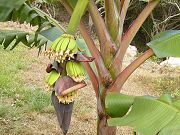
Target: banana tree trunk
x: 102, y: 126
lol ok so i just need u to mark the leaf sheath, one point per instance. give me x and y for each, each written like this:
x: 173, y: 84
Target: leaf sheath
x: 129, y: 35
x: 123, y: 76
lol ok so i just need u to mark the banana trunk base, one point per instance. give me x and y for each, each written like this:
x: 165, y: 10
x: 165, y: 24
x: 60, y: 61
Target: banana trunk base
x: 104, y: 129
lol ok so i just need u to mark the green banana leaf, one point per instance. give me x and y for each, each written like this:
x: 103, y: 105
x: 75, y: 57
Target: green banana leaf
x: 147, y: 115
x: 172, y: 128
x: 22, y: 12
x: 113, y: 103
x: 166, y: 44
x: 7, y: 6
x: 14, y: 37
x: 51, y: 33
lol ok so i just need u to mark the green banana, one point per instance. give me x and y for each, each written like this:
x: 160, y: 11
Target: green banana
x: 71, y: 45
x: 78, y: 69
x: 69, y: 68
x: 64, y: 46
x: 81, y: 69
x: 69, y: 94
x: 73, y: 51
x: 58, y: 47
x: 74, y: 69
x: 73, y: 93
x: 52, y: 77
x: 55, y: 43
x: 52, y: 46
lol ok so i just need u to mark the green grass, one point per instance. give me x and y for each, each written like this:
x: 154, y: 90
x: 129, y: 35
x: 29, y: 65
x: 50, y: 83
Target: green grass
x: 164, y: 84
x: 16, y: 98
x: 3, y: 109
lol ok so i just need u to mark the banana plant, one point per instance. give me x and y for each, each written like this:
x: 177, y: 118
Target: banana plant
x: 66, y: 74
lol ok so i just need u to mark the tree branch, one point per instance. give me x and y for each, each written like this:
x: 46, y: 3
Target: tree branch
x: 116, y: 65
x: 124, y: 75
x: 170, y: 17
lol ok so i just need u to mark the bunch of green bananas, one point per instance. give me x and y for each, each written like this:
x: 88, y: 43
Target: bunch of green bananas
x: 63, y: 47
x: 51, y: 79
x: 75, y: 70
x: 66, y: 99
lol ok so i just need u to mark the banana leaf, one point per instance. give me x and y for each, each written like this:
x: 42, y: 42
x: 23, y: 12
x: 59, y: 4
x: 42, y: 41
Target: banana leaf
x: 166, y: 44
x: 14, y: 37
x: 147, y: 115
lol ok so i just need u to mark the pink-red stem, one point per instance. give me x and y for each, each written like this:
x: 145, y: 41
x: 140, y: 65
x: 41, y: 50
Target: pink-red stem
x: 123, y: 76
x: 93, y: 78
x: 123, y: 12
x: 129, y: 35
